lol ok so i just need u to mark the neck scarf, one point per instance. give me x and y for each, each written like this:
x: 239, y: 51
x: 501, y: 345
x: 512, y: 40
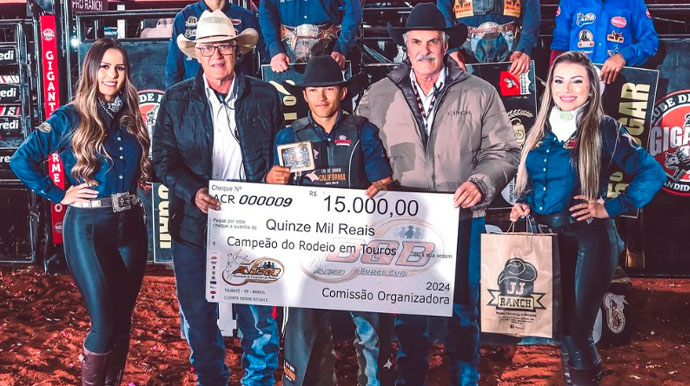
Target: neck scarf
x: 564, y: 123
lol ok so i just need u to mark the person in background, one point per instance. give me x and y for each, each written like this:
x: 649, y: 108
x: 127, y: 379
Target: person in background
x: 562, y: 180
x: 499, y: 30
x: 218, y: 125
x: 296, y: 30
x: 616, y: 33
x: 179, y: 67
x: 444, y: 130
x: 348, y: 154
x: 104, y: 144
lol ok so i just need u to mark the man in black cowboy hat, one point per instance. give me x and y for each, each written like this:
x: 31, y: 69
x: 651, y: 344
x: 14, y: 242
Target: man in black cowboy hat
x: 347, y: 154
x: 444, y: 131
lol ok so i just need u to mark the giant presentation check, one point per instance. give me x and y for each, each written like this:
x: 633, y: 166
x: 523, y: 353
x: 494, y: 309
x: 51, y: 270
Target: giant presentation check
x: 332, y: 248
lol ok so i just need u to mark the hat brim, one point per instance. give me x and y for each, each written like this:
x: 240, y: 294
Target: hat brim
x: 355, y: 84
x: 246, y: 41
x: 457, y: 34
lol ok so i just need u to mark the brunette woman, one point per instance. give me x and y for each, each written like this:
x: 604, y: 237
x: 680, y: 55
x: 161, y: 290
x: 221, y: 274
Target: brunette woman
x: 103, y: 143
x: 562, y: 179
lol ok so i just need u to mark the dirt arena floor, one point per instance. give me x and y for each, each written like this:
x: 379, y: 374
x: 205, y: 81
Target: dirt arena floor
x: 43, y: 323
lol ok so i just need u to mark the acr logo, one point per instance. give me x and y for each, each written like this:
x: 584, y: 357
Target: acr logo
x: 261, y: 270
x: 669, y: 140
x: 516, y: 288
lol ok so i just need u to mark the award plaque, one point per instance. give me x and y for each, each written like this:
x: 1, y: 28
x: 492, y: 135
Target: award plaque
x: 297, y: 156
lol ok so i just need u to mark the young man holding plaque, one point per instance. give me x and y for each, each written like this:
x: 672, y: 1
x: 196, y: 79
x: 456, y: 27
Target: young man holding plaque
x: 331, y: 148
x: 216, y: 126
x: 444, y: 131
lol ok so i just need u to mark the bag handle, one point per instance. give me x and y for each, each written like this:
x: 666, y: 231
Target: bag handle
x: 530, y: 222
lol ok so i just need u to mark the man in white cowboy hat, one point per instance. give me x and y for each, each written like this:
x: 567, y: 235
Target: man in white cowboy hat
x: 216, y: 126
x: 179, y: 67
x: 444, y: 131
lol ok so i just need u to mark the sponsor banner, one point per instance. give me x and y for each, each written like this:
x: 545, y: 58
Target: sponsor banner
x: 51, y: 102
x: 159, y: 234
x: 669, y: 140
x: 331, y: 248
x: 8, y: 55
x: 5, y: 171
x: 9, y: 92
x: 11, y: 122
x: 294, y: 106
x: 89, y: 5
x: 630, y: 100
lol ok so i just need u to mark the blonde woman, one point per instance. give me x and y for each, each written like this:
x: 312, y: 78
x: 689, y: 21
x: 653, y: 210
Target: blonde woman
x: 562, y: 179
x: 103, y: 144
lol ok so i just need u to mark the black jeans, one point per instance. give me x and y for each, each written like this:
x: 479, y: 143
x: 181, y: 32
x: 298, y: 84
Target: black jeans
x: 588, y: 259
x: 106, y: 254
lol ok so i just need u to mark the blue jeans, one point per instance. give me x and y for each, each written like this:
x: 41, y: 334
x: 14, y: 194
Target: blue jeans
x: 462, y: 339
x: 259, y: 331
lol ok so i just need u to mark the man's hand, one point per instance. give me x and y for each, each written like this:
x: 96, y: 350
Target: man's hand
x: 457, y: 56
x: 378, y: 186
x: 467, y: 195
x: 205, y: 201
x: 339, y: 58
x: 278, y: 175
x: 612, y: 66
x: 589, y: 209
x: 519, y: 211
x: 279, y: 62
x: 520, y: 63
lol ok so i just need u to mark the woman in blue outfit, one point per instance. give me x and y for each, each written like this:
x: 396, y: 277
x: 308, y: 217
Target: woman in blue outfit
x: 103, y: 144
x: 562, y: 179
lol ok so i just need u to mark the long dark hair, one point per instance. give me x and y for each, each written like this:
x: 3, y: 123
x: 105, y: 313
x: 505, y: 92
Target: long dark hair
x: 89, y: 137
x: 587, y: 154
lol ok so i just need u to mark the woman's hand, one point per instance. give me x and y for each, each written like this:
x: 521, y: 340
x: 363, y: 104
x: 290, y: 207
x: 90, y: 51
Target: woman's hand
x: 588, y: 209
x: 79, y: 193
x: 519, y: 210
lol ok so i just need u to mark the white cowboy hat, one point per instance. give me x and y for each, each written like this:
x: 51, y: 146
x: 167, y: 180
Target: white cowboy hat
x: 217, y: 27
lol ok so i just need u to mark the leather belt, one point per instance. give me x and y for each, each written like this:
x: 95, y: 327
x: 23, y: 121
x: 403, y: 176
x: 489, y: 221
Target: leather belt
x: 508, y: 27
x: 118, y: 201
x: 561, y: 221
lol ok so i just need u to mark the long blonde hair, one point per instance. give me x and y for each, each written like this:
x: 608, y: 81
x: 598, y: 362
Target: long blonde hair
x: 89, y: 137
x: 587, y: 154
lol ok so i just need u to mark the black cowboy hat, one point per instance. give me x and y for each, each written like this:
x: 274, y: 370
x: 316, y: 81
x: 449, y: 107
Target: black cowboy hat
x: 324, y: 71
x: 426, y: 16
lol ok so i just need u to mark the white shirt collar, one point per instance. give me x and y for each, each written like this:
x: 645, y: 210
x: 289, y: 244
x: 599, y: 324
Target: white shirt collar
x: 437, y: 85
x: 211, y: 93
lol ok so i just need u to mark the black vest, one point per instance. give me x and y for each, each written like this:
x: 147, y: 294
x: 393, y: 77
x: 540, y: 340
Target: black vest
x: 339, y: 162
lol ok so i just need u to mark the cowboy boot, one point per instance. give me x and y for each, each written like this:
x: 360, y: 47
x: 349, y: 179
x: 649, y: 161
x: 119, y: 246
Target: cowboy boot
x: 117, y: 361
x: 93, y: 367
x: 585, y: 377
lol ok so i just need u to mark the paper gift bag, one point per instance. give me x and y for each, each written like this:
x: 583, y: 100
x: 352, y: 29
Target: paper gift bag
x: 520, y: 284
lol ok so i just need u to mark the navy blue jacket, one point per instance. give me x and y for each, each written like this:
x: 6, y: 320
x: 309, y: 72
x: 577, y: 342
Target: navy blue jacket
x: 553, y: 176
x: 183, y: 145
x: 273, y: 13
x: 528, y: 16
x: 603, y: 29
x: 119, y: 174
x: 179, y: 67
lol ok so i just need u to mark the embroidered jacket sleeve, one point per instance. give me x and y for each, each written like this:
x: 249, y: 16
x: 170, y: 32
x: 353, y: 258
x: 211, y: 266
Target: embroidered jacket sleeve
x: 620, y: 147
x: 646, y: 40
x: 376, y: 163
x: 531, y: 20
x: 561, y: 34
x: 269, y: 20
x: 26, y: 163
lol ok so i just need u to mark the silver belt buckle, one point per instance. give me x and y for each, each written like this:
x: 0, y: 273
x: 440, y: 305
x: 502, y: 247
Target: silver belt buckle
x: 123, y: 201
x: 307, y: 31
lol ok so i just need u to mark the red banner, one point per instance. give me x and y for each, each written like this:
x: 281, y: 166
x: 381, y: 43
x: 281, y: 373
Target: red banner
x: 51, y: 102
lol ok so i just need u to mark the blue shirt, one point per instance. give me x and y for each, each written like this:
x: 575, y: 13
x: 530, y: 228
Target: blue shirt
x: 376, y: 164
x: 553, y: 177
x: 529, y: 13
x: 603, y: 29
x: 118, y: 175
x: 179, y: 66
x: 273, y: 13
